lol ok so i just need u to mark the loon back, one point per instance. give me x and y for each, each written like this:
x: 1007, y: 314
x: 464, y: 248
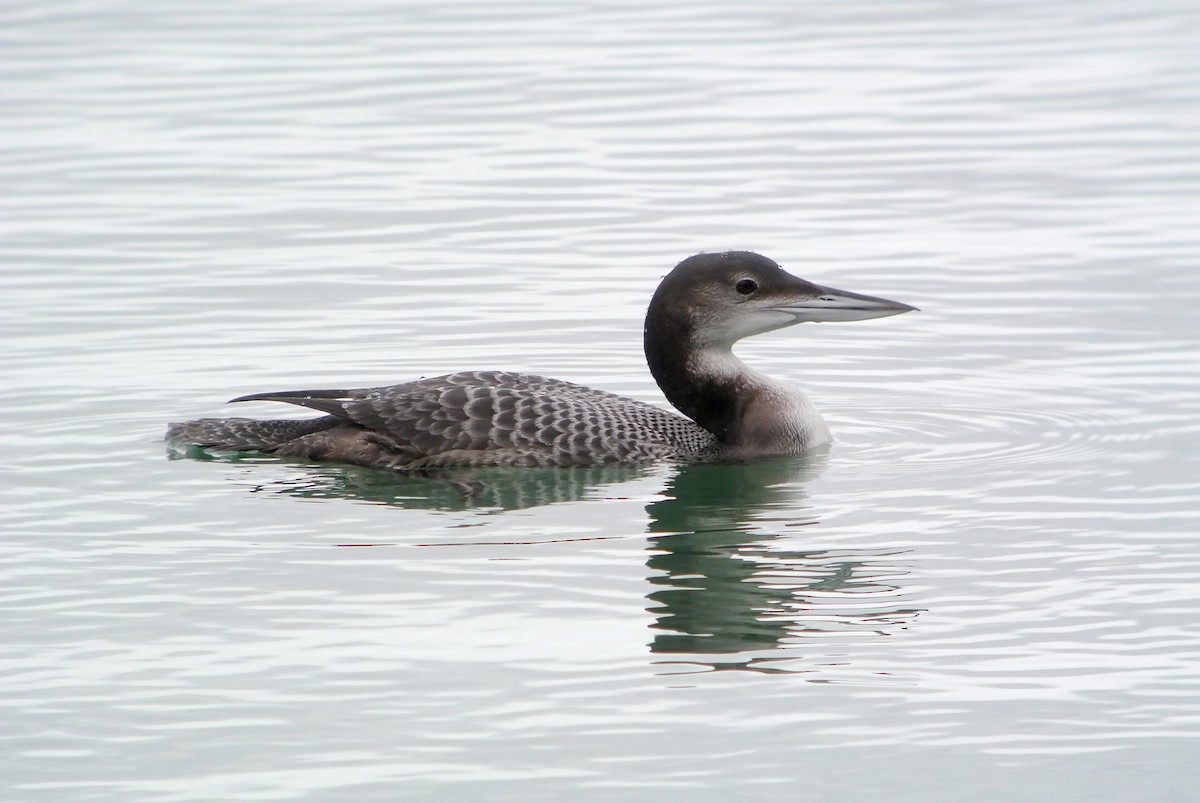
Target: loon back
x: 476, y: 418
x: 497, y: 418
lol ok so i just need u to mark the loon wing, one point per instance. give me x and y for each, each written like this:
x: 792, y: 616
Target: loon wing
x: 487, y: 410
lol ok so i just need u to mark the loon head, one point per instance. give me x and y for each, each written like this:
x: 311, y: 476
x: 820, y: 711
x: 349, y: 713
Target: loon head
x: 711, y: 301
x: 715, y: 300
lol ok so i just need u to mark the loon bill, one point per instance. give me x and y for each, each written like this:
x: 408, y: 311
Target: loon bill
x: 498, y: 418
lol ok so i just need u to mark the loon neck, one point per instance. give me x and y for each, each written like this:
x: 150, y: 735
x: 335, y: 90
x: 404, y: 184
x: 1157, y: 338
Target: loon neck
x: 749, y: 413
x: 701, y: 382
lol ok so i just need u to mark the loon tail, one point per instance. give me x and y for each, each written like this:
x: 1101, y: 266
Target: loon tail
x: 247, y: 434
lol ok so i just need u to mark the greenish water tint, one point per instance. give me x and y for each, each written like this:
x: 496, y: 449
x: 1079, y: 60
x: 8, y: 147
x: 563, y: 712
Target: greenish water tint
x: 730, y: 583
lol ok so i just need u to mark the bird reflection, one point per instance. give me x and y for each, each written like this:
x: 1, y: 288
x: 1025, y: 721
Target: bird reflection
x: 729, y: 584
x: 447, y: 489
x: 728, y: 580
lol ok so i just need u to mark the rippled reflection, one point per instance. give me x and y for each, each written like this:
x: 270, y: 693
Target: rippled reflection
x: 723, y: 540
x: 731, y: 581
x: 448, y: 489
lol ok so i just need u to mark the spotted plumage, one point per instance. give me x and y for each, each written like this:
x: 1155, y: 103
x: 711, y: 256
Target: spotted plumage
x: 472, y: 418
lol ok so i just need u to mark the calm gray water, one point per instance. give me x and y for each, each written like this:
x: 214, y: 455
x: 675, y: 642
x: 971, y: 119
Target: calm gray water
x: 988, y: 589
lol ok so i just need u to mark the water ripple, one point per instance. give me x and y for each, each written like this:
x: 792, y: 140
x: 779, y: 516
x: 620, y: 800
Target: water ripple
x: 989, y: 582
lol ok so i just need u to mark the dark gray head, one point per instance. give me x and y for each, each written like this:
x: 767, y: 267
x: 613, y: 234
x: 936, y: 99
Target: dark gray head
x: 711, y: 301
x: 715, y: 300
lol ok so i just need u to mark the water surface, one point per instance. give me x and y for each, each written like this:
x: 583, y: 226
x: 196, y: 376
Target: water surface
x: 986, y: 590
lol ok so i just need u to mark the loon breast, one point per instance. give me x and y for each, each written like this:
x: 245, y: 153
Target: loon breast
x: 500, y: 418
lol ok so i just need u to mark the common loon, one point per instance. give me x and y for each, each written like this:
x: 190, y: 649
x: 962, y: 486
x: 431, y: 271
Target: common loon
x: 498, y: 418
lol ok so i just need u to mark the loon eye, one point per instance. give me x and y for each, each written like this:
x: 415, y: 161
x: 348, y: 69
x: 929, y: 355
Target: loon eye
x: 746, y: 286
